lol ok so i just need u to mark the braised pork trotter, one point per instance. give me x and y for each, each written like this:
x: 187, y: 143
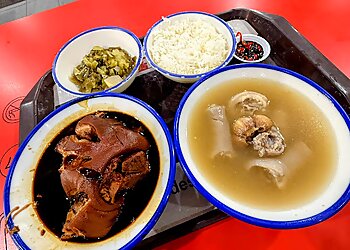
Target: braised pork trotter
x: 103, y: 159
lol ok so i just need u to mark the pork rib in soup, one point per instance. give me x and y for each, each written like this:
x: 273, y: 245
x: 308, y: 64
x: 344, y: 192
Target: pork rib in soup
x: 275, y: 138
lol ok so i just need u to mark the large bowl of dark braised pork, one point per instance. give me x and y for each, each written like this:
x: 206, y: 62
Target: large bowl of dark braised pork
x: 265, y: 145
x: 94, y: 174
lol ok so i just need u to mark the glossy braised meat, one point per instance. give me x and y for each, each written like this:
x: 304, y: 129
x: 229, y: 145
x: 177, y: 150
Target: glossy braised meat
x: 103, y: 159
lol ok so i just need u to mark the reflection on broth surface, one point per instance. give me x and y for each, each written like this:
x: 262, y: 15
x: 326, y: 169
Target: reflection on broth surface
x: 300, y: 170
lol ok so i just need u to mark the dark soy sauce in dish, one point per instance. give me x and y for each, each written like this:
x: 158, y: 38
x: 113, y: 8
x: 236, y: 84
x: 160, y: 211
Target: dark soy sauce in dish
x: 52, y: 203
x: 248, y: 50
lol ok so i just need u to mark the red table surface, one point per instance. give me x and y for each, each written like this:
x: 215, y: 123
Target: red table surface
x: 29, y: 45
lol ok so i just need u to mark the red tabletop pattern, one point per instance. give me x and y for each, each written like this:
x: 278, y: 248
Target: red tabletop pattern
x: 28, y: 47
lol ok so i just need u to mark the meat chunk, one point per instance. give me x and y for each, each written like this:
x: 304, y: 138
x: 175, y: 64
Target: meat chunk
x: 130, y: 180
x: 133, y: 169
x: 248, y: 102
x: 270, y: 143
x: 136, y: 163
x: 243, y: 128
x: 259, y: 131
x: 247, y: 127
x: 94, y: 171
x: 110, y: 186
x: 90, y: 221
x: 85, y: 131
x: 81, y: 201
x: 262, y: 123
x: 275, y: 170
x: 281, y: 169
x: 222, y: 145
x: 114, y: 140
x: 72, y: 145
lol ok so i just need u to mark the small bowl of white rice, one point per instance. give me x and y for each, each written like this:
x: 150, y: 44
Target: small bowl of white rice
x: 187, y: 45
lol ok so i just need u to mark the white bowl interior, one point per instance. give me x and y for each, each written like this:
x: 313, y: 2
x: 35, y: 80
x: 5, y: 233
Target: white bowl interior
x: 338, y: 183
x: 21, y: 186
x: 223, y: 29
x: 71, y: 55
x: 258, y: 39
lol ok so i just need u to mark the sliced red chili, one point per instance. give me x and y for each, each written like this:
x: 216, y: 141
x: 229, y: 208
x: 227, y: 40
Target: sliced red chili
x: 249, y: 50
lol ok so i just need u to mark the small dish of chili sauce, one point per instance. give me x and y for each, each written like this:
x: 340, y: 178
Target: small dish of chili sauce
x: 251, y: 48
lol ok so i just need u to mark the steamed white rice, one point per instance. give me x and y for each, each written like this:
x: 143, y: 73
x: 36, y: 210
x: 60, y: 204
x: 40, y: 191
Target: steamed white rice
x: 187, y: 46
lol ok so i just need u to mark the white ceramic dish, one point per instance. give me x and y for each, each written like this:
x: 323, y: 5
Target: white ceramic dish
x: 325, y: 204
x: 19, y: 182
x: 258, y: 39
x: 215, y: 21
x: 71, y: 54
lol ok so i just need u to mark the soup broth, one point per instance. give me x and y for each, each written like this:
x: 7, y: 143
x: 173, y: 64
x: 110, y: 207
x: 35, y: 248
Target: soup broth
x: 298, y: 119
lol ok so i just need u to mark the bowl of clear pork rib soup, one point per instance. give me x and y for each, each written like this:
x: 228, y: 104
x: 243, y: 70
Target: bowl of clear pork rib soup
x: 265, y: 145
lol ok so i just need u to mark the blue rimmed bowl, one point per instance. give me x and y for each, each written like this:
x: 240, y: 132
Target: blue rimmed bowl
x: 162, y: 50
x: 327, y: 203
x: 71, y: 54
x: 19, y: 182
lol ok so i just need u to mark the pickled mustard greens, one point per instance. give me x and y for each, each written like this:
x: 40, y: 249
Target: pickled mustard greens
x: 102, y: 69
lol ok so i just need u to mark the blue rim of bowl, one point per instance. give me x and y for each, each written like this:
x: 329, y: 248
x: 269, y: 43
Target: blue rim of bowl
x: 134, y: 71
x: 18, y: 240
x: 332, y: 210
x: 163, y: 71
x: 264, y: 57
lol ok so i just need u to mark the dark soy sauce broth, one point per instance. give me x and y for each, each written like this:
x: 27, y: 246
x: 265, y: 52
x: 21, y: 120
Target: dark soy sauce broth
x: 52, y: 202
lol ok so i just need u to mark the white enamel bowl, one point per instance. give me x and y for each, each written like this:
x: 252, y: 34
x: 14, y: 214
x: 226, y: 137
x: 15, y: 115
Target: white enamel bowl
x: 220, y: 25
x: 326, y: 204
x: 71, y: 54
x: 19, y: 182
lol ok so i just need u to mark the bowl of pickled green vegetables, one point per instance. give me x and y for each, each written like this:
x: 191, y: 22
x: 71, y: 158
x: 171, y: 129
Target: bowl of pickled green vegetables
x: 102, y: 59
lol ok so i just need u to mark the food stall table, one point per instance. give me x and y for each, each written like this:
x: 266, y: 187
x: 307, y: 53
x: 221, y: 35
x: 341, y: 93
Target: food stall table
x: 29, y: 45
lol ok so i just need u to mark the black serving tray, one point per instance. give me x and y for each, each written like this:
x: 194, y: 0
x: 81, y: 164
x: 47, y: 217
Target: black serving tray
x: 289, y: 49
